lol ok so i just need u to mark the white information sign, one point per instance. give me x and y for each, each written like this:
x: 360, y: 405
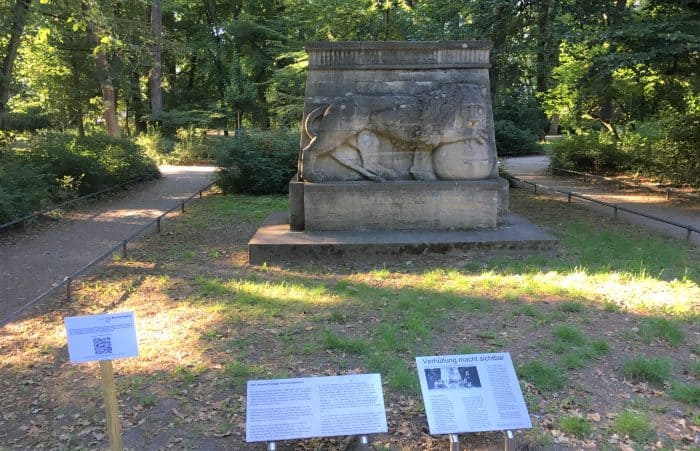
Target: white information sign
x: 284, y: 409
x: 471, y: 393
x: 101, y: 337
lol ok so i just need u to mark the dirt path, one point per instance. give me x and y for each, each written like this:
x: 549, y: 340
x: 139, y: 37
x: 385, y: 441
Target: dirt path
x: 31, y: 262
x: 682, y: 211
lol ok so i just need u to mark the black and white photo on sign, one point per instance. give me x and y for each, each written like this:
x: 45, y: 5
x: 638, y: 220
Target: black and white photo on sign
x: 452, y: 377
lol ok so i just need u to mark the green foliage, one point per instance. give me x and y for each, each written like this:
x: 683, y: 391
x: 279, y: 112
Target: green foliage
x: 664, y: 328
x: 157, y: 146
x: 511, y: 140
x: 593, y: 151
x: 636, y: 426
x: 687, y: 393
x: 647, y: 369
x: 285, y: 93
x: 32, y: 120
x: 173, y: 120
x: 257, y: 162
x: 55, y: 166
x: 91, y: 163
x: 580, y: 427
x: 666, y: 147
x: 600, y: 347
x: 570, y: 335
x: 349, y: 345
x: 23, y: 188
x: 192, y: 145
x: 545, y: 377
x: 522, y: 111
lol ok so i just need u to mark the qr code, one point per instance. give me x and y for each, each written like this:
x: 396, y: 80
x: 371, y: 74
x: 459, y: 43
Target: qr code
x: 102, y: 345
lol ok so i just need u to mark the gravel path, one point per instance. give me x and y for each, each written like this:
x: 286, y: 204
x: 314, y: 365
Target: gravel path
x: 682, y: 211
x: 32, y: 262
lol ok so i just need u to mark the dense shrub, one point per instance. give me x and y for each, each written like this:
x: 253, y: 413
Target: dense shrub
x: 257, y: 162
x: 667, y: 149
x: 30, y: 120
x: 23, y: 188
x: 172, y: 120
x: 192, y: 145
x: 53, y: 166
x: 521, y: 109
x: 90, y: 163
x: 188, y: 145
x: 512, y: 140
x: 594, y: 152
x: 157, y: 146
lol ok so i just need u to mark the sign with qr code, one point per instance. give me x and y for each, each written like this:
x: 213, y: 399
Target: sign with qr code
x: 101, y: 337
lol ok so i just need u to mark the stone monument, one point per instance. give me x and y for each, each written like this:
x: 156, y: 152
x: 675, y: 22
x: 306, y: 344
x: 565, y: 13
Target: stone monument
x: 397, y: 136
x: 397, y: 155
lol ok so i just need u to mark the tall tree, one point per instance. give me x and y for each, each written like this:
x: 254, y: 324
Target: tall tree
x: 108, y: 95
x: 154, y: 75
x: 19, y: 19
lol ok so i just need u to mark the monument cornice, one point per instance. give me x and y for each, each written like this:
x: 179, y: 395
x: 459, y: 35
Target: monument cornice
x: 398, y: 55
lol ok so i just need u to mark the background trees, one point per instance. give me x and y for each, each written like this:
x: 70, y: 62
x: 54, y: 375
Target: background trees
x: 623, y: 68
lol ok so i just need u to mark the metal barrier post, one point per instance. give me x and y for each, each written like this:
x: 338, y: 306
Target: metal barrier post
x: 509, y: 440
x: 615, y: 209
x: 535, y: 185
x: 69, y: 289
x: 668, y: 193
x: 158, y: 224
x: 364, y: 443
x: 568, y: 195
x: 200, y: 194
x: 454, y: 442
x: 182, y: 207
x: 271, y: 446
x: 687, y: 234
x: 124, y: 249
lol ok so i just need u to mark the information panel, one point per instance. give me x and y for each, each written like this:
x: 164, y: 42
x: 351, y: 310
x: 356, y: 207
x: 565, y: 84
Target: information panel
x: 101, y: 337
x: 285, y: 409
x: 471, y: 393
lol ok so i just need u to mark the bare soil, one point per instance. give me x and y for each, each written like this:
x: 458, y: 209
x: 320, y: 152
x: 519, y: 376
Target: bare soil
x: 181, y: 393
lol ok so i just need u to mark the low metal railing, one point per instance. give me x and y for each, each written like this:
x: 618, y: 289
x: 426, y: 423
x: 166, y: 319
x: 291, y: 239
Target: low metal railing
x: 668, y: 192
x: 67, y: 281
x: 616, y: 208
x: 66, y: 203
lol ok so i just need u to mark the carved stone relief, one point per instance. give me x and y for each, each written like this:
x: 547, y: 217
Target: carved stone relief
x: 438, y: 134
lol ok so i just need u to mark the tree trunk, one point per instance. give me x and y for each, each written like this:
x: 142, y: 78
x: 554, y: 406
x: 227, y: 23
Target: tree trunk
x: 191, y: 72
x: 108, y: 97
x: 154, y: 76
x: 498, y: 38
x: 554, y: 124
x: 543, y: 56
x: 19, y: 19
x: 137, y: 103
x: 80, y: 119
x: 218, y: 63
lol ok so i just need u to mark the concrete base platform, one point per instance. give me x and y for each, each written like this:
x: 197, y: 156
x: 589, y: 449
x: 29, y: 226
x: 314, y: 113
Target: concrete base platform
x: 275, y: 243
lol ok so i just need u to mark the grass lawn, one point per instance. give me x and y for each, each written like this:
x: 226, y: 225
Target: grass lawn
x: 605, y: 336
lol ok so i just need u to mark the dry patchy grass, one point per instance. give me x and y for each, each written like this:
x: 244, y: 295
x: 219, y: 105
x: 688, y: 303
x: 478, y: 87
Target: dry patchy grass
x: 207, y: 322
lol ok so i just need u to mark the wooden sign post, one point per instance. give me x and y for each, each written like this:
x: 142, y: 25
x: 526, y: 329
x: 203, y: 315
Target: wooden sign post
x: 104, y: 338
x: 109, y: 393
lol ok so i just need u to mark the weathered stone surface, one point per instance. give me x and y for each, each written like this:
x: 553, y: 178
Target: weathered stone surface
x: 401, y: 205
x: 274, y: 243
x: 397, y: 111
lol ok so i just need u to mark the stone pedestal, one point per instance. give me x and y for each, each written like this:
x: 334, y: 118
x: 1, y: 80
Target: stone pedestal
x: 398, y: 205
x: 397, y: 143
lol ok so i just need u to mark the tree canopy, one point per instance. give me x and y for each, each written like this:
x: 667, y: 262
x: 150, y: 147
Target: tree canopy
x: 569, y: 65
